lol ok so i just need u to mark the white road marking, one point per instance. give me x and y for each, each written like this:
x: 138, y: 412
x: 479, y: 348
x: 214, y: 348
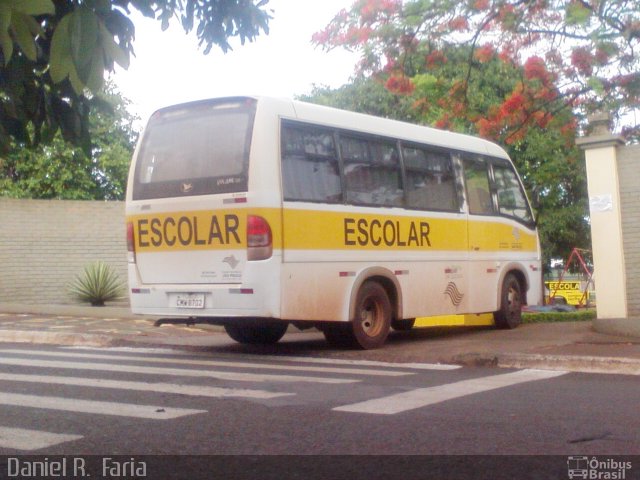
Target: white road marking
x: 213, y: 363
x: 184, y: 372
x: 421, y: 397
x: 281, y: 358
x: 23, y: 439
x: 363, y: 363
x: 96, y: 407
x: 169, y: 351
x: 192, y: 390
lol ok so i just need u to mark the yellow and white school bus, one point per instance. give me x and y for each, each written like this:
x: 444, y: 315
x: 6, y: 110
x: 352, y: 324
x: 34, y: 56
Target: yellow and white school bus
x: 256, y: 213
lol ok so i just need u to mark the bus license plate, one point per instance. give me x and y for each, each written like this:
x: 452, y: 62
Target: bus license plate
x: 190, y: 300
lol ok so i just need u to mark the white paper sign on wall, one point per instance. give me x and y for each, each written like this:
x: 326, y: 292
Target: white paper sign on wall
x: 601, y: 203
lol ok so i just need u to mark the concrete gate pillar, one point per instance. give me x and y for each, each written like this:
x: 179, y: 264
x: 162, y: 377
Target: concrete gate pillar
x: 606, y: 221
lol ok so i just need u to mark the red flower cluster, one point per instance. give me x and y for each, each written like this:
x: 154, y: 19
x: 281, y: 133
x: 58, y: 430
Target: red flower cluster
x: 459, y: 24
x: 370, y: 8
x: 582, y: 59
x: 485, y: 53
x: 513, y: 104
x: 535, y: 69
x: 399, y: 84
x: 435, y: 59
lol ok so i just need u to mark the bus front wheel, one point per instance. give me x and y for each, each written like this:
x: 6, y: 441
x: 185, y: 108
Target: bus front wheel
x: 372, y: 320
x: 510, y: 313
x: 257, y: 333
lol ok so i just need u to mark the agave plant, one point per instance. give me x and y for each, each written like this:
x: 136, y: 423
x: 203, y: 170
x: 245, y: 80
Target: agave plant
x: 97, y: 284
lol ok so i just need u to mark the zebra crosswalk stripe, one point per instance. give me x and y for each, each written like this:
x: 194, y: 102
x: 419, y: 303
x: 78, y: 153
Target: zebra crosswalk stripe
x: 231, y: 376
x: 214, y: 363
x: 26, y: 439
x: 192, y: 390
x: 77, y: 405
x: 363, y: 363
x: 273, y: 358
x: 421, y: 397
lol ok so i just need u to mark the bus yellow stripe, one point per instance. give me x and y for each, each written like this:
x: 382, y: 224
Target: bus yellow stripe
x: 324, y: 230
x: 309, y: 230
x: 469, y: 320
x: 198, y: 230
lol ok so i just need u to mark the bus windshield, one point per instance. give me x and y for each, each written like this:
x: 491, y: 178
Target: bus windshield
x: 196, y: 149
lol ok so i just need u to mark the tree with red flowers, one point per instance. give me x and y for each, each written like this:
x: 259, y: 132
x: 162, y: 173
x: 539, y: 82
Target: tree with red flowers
x: 575, y: 54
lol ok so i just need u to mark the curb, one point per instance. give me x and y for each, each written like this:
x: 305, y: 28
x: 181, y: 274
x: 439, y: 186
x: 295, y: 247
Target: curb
x: 77, y: 339
x: 570, y: 363
x: 70, y: 310
x: 56, y: 338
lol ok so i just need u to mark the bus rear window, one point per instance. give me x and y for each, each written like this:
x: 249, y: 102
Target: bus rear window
x: 195, y: 149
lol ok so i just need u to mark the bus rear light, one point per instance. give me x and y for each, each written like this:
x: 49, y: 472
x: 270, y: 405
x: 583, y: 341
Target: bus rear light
x: 131, y: 246
x: 259, y: 238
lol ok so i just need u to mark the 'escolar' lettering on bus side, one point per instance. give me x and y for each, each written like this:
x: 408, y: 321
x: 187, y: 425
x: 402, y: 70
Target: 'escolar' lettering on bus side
x: 158, y: 232
x: 391, y: 233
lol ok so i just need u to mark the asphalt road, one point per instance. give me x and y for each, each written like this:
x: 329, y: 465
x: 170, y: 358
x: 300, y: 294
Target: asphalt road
x: 135, y: 402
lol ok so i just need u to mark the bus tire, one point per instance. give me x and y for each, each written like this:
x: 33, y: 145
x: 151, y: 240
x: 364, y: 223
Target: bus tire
x: 257, y: 333
x: 372, y: 319
x: 510, y: 313
x: 403, y: 325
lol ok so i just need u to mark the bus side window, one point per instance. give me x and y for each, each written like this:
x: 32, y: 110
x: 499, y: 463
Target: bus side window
x: 430, y: 180
x: 512, y: 201
x: 372, y: 172
x: 310, y: 170
x: 476, y: 175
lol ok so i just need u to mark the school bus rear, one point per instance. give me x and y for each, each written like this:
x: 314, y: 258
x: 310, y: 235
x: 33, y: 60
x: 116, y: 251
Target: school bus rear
x: 198, y: 241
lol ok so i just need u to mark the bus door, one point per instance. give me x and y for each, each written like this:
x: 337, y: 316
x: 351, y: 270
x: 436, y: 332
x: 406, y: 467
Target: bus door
x: 483, y: 234
x: 501, y: 226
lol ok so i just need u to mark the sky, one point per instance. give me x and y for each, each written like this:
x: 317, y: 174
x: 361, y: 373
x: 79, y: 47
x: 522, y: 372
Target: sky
x: 170, y: 68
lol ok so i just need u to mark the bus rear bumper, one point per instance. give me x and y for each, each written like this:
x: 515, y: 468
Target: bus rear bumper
x: 185, y: 301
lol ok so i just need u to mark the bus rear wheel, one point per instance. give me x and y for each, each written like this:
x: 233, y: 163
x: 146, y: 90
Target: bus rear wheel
x: 257, y: 333
x: 510, y: 313
x: 372, y: 320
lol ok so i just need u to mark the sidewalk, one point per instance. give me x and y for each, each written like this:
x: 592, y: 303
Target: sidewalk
x: 572, y: 346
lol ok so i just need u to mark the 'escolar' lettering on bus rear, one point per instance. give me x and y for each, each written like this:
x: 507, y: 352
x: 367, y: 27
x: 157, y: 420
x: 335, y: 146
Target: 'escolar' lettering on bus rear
x: 185, y: 230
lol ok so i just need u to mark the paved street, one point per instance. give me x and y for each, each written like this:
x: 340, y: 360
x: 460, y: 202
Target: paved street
x: 126, y: 401
x: 77, y: 383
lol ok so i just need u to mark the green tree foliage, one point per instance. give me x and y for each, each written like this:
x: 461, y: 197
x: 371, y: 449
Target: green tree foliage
x: 582, y: 53
x: 54, y: 55
x: 60, y: 170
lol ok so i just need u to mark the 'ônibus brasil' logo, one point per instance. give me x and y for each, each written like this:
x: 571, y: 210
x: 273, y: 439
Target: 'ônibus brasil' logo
x: 595, y: 468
